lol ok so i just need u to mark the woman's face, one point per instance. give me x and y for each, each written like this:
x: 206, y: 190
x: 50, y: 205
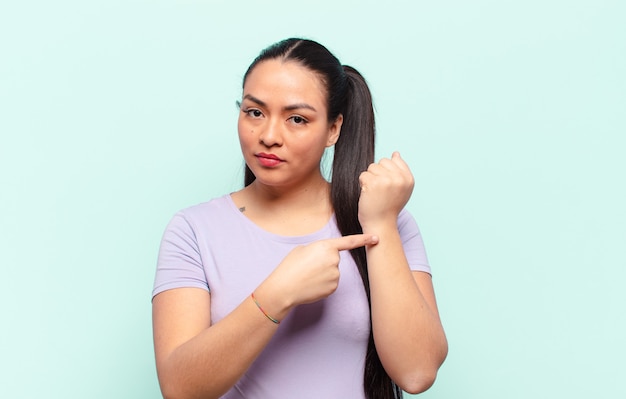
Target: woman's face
x: 283, y: 124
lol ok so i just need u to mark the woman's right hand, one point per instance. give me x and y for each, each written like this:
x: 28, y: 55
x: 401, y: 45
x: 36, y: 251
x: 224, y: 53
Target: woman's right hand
x: 310, y: 272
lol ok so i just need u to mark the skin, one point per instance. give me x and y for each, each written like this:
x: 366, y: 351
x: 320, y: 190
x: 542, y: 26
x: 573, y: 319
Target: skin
x: 412, y: 354
x: 283, y: 112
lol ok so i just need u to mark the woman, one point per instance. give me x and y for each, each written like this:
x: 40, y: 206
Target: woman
x: 294, y: 286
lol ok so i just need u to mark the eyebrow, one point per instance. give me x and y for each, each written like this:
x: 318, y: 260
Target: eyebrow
x: 287, y: 108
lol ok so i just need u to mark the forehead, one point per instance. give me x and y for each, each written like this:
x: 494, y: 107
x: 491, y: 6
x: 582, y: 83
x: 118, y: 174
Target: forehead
x: 279, y: 80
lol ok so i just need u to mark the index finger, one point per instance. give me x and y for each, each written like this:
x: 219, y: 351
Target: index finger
x: 353, y: 241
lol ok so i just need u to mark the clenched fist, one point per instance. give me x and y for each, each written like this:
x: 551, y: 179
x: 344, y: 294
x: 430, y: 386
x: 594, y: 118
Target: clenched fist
x: 386, y: 187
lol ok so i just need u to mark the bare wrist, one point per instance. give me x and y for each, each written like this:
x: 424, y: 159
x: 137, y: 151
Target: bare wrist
x: 380, y: 227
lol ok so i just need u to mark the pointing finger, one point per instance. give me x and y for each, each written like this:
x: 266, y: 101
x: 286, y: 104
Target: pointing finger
x: 353, y: 241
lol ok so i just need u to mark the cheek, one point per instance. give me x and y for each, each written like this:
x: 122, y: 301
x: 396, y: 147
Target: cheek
x: 243, y: 130
x: 245, y: 126
x: 243, y: 142
x: 240, y: 126
x: 312, y: 148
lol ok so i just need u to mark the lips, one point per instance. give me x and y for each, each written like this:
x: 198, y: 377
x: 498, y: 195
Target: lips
x: 268, y: 160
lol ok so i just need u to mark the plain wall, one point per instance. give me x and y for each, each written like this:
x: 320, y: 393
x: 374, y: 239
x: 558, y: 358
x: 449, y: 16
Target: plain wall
x: 116, y: 114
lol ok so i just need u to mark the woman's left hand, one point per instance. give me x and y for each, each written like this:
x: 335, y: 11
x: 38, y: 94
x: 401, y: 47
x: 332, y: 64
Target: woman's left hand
x: 386, y: 187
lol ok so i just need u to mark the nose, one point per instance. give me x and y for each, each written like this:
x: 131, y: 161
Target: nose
x: 272, y: 134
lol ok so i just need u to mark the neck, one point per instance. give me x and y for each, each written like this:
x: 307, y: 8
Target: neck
x: 289, y: 211
x: 303, y: 196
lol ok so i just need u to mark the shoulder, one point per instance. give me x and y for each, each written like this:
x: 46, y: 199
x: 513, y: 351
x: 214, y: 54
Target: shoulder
x: 215, y: 205
x: 218, y: 207
x: 200, y: 218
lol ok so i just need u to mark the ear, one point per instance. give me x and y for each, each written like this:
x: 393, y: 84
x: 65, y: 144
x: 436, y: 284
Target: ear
x: 334, y: 130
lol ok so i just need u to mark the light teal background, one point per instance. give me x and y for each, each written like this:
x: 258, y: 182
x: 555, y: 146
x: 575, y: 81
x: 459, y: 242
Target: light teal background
x: 115, y: 114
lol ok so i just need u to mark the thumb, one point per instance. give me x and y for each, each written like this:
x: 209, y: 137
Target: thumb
x: 353, y: 241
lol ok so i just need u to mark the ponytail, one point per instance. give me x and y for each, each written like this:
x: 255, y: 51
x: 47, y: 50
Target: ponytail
x: 354, y: 152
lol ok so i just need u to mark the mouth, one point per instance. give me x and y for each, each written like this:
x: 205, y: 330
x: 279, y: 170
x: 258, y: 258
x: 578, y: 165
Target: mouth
x: 268, y: 160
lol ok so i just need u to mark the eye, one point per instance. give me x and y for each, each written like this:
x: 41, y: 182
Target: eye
x: 252, y: 112
x: 298, y: 120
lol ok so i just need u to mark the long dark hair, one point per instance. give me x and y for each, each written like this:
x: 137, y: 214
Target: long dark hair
x: 349, y: 95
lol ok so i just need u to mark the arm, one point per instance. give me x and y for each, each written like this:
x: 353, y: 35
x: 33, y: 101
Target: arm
x: 195, y: 359
x: 198, y: 360
x: 407, y: 330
